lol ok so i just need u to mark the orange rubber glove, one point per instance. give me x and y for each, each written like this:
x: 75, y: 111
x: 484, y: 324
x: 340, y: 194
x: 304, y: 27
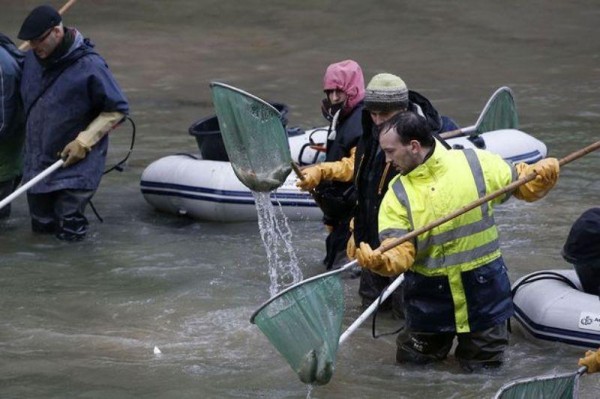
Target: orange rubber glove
x: 77, y: 149
x: 547, y: 170
x: 312, y: 178
x: 342, y: 170
x: 591, y: 361
x: 392, y: 262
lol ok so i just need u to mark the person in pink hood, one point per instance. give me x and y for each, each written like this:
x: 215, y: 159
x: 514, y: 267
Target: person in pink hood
x: 344, y: 88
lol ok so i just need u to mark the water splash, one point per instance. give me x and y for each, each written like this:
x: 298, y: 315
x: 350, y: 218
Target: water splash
x: 277, y: 240
x: 309, y: 391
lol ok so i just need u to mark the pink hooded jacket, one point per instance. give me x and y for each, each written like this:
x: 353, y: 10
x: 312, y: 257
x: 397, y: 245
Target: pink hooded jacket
x: 348, y: 77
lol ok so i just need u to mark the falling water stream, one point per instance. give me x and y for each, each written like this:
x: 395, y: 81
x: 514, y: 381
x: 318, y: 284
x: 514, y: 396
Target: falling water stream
x: 276, y: 236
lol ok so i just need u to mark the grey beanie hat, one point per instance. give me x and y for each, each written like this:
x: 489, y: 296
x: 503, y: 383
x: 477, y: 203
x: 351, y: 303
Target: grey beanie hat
x: 386, y: 92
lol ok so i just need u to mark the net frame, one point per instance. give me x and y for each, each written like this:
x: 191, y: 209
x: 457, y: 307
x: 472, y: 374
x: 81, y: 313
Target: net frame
x: 526, y: 388
x: 254, y: 136
x: 500, y: 112
x: 313, y: 359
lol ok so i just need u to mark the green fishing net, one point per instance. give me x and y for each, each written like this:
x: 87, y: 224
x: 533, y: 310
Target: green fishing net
x: 499, y: 113
x: 562, y: 386
x: 304, y: 324
x: 254, y: 137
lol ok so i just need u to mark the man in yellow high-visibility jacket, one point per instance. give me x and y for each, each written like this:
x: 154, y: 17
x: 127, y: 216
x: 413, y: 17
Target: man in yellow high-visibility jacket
x: 456, y: 284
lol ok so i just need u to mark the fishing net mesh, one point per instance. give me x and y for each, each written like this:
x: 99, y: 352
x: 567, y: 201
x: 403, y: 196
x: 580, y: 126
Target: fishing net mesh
x: 254, y: 138
x: 501, y: 113
x: 304, y: 324
x: 549, y: 387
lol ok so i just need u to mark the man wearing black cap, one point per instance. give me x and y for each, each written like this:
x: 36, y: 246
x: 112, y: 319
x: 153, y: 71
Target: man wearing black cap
x: 71, y: 102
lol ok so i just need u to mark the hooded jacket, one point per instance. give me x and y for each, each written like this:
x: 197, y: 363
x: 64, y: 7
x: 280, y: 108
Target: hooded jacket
x: 346, y: 76
x: 337, y: 197
x: 60, y: 100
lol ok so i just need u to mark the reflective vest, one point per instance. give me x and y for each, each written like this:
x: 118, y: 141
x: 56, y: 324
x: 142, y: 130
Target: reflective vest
x: 444, y: 183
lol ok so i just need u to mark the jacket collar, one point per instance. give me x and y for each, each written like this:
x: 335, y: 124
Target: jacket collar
x: 433, y: 165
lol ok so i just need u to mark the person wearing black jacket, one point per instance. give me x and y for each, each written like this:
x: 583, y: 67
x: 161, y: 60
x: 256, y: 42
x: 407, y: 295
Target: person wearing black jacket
x: 344, y: 87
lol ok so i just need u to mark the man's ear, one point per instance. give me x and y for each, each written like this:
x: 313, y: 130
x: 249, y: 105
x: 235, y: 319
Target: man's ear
x: 415, y: 146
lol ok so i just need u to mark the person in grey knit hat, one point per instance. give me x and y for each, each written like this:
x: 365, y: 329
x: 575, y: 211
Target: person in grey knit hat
x: 385, y: 96
x: 386, y: 93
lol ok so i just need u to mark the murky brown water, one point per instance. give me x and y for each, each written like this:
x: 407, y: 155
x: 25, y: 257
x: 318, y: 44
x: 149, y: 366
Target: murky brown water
x: 82, y: 320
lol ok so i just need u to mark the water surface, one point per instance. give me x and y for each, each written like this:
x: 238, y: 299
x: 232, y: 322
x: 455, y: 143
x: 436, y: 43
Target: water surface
x: 81, y: 321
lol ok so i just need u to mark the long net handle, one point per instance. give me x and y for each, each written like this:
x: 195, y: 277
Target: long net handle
x: 297, y: 171
x: 459, y: 132
x: 31, y: 182
x: 372, y: 307
x: 66, y: 6
x: 512, y: 186
x: 62, y: 10
x: 388, y: 291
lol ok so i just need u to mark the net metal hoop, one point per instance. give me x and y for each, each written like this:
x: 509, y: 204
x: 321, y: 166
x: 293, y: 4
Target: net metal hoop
x: 301, y: 283
x: 512, y: 384
x: 502, y: 91
x: 245, y: 93
x: 254, y: 137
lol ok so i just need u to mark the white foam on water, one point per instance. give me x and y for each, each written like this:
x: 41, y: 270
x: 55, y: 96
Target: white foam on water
x: 277, y: 239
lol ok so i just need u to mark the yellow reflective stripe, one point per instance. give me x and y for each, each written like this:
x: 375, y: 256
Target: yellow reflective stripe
x: 461, y: 314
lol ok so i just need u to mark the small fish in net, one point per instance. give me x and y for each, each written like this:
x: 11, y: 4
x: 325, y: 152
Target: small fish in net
x: 316, y: 368
x: 263, y: 183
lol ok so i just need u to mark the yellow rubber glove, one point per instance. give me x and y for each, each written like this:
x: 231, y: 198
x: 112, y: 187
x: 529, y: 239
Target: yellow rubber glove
x: 77, y: 149
x: 98, y: 128
x: 390, y: 263
x: 547, y: 170
x: 312, y: 178
x: 591, y: 361
x: 73, y: 153
x: 342, y: 170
